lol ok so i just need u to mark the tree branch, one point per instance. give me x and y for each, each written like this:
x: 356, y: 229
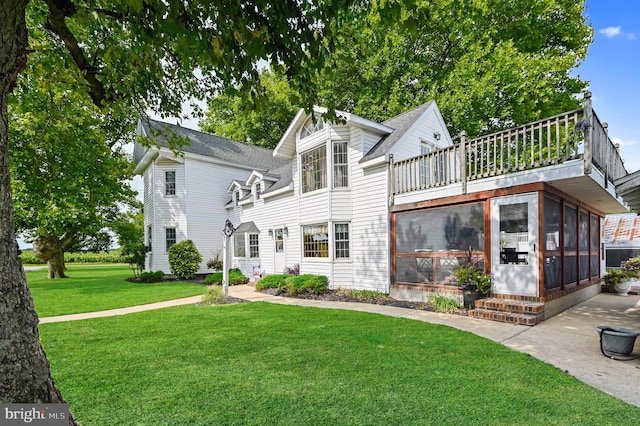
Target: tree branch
x: 58, y: 11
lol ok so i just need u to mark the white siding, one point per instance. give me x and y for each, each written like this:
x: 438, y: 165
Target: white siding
x: 424, y: 130
x: 370, y: 227
x: 169, y: 211
x: 149, y: 217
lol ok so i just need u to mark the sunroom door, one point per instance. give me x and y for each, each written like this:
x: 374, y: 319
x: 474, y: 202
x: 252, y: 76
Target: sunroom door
x: 514, y: 244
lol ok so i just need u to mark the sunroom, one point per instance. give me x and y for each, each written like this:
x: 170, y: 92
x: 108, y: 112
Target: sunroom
x: 526, y: 203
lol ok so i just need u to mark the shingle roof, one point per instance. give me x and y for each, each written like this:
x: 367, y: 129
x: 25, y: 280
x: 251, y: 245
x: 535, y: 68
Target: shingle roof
x: 213, y: 146
x: 400, y: 123
x: 622, y: 230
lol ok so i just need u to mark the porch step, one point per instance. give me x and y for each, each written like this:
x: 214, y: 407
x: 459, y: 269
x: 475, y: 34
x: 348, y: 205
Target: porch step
x: 507, y: 310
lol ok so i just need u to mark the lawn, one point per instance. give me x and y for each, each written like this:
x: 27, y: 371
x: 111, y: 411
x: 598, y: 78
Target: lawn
x: 265, y: 364
x: 91, y: 288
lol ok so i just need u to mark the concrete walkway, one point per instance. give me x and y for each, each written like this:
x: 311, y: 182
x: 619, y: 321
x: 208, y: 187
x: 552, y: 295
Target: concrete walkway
x: 567, y: 341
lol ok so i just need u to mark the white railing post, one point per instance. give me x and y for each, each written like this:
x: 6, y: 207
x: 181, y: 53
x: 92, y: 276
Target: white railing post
x: 463, y: 161
x: 588, y: 132
x: 607, y: 156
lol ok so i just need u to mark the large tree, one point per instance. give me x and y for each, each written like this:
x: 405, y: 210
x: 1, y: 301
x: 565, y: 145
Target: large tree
x: 69, y: 174
x: 489, y: 64
x: 144, y: 54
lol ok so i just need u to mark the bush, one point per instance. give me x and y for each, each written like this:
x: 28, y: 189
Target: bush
x: 214, y: 295
x: 312, y: 283
x: 151, y: 277
x: 113, y: 256
x: 278, y: 281
x: 294, y: 270
x: 616, y: 276
x: 235, y: 278
x: 184, y: 259
x: 443, y: 303
x: 215, y: 263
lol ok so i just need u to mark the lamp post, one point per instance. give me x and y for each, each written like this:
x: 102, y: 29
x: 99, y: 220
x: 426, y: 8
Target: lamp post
x: 228, y: 232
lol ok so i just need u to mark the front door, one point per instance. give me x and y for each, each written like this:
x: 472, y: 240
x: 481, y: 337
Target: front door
x: 514, y: 244
x: 279, y: 249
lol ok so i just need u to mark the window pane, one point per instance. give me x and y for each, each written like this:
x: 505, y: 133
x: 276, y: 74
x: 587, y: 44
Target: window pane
x: 514, y: 233
x: 170, y: 234
x: 342, y: 240
x: 570, y: 245
x: 552, y: 259
x: 170, y: 183
x: 441, y: 229
x: 278, y: 237
x: 340, y: 165
x: 311, y: 126
x: 238, y: 245
x: 595, y: 245
x: 254, y: 249
x: 314, y: 169
x: 315, y: 240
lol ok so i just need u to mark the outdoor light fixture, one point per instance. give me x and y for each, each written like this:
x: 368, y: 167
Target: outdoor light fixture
x: 436, y: 136
x: 271, y: 232
x: 286, y: 231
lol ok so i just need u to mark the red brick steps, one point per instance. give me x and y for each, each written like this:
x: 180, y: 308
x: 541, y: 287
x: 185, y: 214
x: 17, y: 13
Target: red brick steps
x: 507, y: 310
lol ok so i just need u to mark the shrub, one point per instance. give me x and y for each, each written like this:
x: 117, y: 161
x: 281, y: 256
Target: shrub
x: 443, y: 303
x: 313, y: 283
x: 367, y: 294
x: 215, y: 263
x: 184, y: 259
x: 214, y: 295
x: 113, y: 256
x: 151, y: 277
x: 294, y: 270
x: 616, y: 276
x: 235, y: 278
x: 278, y: 281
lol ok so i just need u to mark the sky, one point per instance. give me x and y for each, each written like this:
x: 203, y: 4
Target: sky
x: 612, y: 68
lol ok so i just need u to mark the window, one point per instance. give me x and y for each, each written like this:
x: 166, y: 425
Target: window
x: 238, y: 245
x: 315, y: 240
x: 279, y: 240
x: 170, y: 183
x: 314, y: 169
x: 340, y: 165
x: 237, y: 197
x: 258, y: 189
x: 311, y: 126
x: 170, y: 237
x: 341, y: 240
x: 149, y: 238
x: 254, y: 249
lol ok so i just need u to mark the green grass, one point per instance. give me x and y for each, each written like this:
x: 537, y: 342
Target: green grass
x: 91, y: 288
x: 264, y: 364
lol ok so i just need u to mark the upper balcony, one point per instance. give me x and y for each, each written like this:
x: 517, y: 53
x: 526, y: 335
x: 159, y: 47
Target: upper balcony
x: 571, y: 151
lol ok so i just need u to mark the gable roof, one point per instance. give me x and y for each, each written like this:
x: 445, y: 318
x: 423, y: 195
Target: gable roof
x: 212, y: 146
x: 401, y: 124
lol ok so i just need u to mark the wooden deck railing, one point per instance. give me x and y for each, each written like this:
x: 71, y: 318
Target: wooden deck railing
x: 572, y: 135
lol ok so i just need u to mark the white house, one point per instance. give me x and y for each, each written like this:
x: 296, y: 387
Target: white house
x: 394, y: 206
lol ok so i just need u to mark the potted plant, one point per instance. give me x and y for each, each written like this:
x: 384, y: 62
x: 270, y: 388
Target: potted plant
x: 620, y: 280
x: 473, y: 282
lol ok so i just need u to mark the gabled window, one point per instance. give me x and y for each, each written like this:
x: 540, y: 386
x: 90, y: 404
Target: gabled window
x: 170, y: 183
x: 311, y: 126
x: 170, y: 237
x: 340, y: 165
x: 258, y: 190
x: 314, y: 169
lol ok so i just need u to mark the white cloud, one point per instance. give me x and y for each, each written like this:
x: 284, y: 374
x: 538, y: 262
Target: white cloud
x: 624, y: 143
x: 610, y: 31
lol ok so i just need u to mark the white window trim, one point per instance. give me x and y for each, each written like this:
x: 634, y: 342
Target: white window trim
x: 327, y: 163
x: 333, y: 167
x: 175, y: 229
x: 334, y: 241
x: 175, y: 183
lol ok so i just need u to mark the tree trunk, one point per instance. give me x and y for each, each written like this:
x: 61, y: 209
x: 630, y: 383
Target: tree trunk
x: 50, y: 250
x: 24, y: 368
